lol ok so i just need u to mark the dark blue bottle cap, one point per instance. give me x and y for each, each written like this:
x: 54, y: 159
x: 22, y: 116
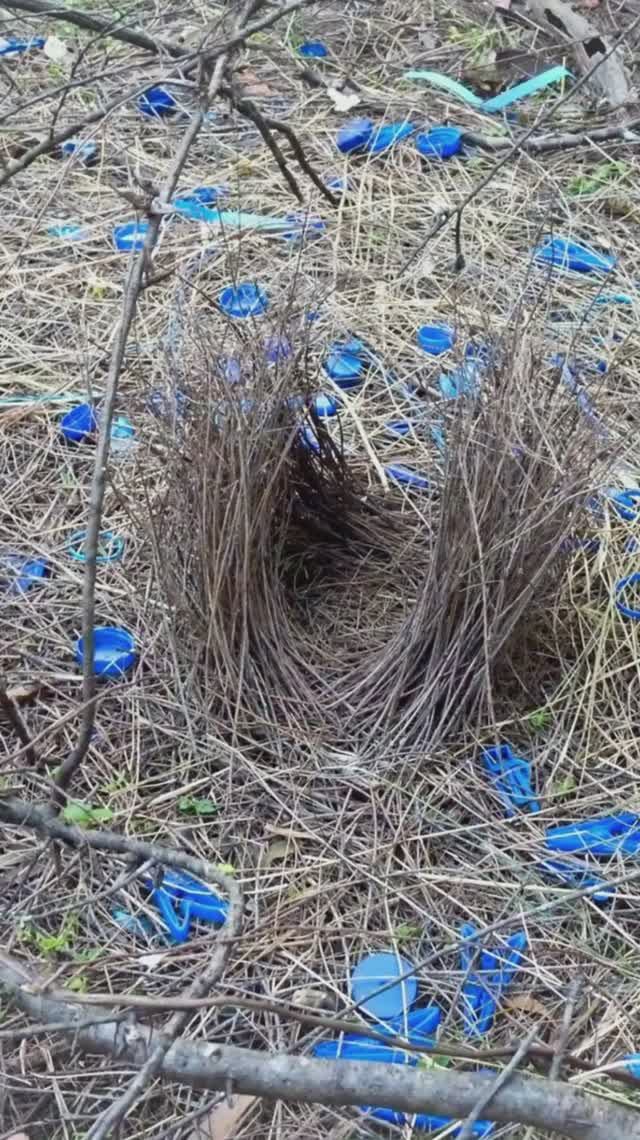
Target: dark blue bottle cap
x: 440, y: 142
x: 325, y: 405
x: 277, y: 348
x: 388, y: 135
x: 313, y: 49
x: 156, y: 102
x: 86, y: 151
x: 114, y: 651
x: 345, y: 369
x: 245, y: 300
x: 377, y: 970
x: 355, y: 135
x: 79, y: 423
x: 129, y: 236
x: 435, y: 339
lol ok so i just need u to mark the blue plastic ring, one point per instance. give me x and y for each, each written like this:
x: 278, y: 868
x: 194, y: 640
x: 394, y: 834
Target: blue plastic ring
x: 74, y: 547
x: 621, y: 586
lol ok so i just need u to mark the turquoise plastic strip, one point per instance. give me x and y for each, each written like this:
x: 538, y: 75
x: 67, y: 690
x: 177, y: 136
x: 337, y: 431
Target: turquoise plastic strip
x: 436, y: 79
x: 529, y: 87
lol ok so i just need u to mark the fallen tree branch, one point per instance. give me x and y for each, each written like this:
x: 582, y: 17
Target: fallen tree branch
x: 621, y: 132
x: 539, y: 1103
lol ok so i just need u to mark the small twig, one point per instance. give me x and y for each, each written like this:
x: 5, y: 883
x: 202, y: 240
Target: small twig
x: 23, y: 1034
x: 560, y: 1045
x: 14, y: 716
x: 466, y: 1132
x: 623, y: 132
x: 246, y: 108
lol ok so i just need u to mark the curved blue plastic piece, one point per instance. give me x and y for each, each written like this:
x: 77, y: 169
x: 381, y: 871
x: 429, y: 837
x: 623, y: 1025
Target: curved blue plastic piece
x: 388, y: 135
x: 511, y: 777
x: 486, y: 980
x: 435, y: 339
x: 79, y: 423
x: 203, y: 195
x: 13, y: 46
x: 129, y: 236
x: 138, y: 925
x: 376, y: 970
x: 303, y: 226
x: 344, y: 367
x: 633, y: 1064
x: 528, y: 87
x: 607, y: 835
x: 277, y: 348
x: 181, y: 898
x: 114, y: 651
x: 355, y: 135
x: 85, y: 150
x: 439, y: 142
x: 626, y: 504
x: 111, y: 543
x: 240, y: 301
x: 420, y: 1026
x: 425, y: 1123
x: 563, y: 253
x: 18, y: 574
x: 313, y: 49
x: 157, y: 102
x: 621, y: 587
x: 398, y: 428
x: 401, y: 474
x: 462, y: 382
x: 577, y: 876
x: 324, y: 405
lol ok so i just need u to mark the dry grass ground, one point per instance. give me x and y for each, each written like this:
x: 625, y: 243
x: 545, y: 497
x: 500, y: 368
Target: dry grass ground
x: 351, y: 831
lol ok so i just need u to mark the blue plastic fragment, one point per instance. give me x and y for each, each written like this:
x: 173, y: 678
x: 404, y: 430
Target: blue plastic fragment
x: 181, y: 899
x: 167, y: 404
x: 309, y: 438
x: 626, y: 504
x: 426, y: 1123
x: 378, y: 970
x: 577, y: 876
x: 79, y: 423
x: 303, y: 226
x: 14, y: 46
x: 277, y: 348
x: 355, y: 135
x: 18, y: 574
x: 240, y: 301
x: 386, y: 136
x: 440, y: 142
x: 633, y: 1064
x: 407, y: 476
x: 605, y: 835
x: 528, y: 87
x: 421, y: 1025
x: 325, y: 405
x: 631, y: 582
x: 204, y: 195
x: 138, y: 925
x: 487, y: 981
x: 110, y: 547
x: 114, y: 651
x: 462, y: 382
x: 445, y: 83
x: 345, y: 365
x: 86, y: 151
x: 398, y: 428
x: 313, y: 49
x: 337, y: 183
x: 435, y: 339
x: 68, y: 231
x: 511, y: 777
x: 130, y: 236
x: 562, y: 253
x: 157, y: 102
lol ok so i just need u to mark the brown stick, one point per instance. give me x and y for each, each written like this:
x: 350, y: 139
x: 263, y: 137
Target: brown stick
x: 14, y: 716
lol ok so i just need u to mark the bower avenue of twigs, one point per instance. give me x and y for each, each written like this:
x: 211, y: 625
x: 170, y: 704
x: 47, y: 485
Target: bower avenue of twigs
x: 321, y: 653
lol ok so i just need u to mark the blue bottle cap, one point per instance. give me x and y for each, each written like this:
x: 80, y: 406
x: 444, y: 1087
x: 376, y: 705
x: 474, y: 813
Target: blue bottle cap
x: 355, y: 135
x: 18, y: 574
x: 344, y: 368
x: 110, y: 546
x: 129, y: 236
x: 114, y: 651
x: 156, y: 102
x: 435, y: 339
x: 205, y: 195
x: 313, y: 49
x: 440, y: 142
x: 388, y: 135
x: 86, y: 151
x: 79, y: 423
x: 324, y: 405
x: 625, y: 589
x: 245, y: 300
x: 377, y: 970
x: 276, y: 348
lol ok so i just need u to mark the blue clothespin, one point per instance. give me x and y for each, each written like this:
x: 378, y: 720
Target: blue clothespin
x: 511, y: 776
x: 182, y: 898
x: 626, y: 504
x: 576, y: 875
x: 425, y: 1123
x: 608, y: 835
x: 419, y: 1027
x: 486, y: 983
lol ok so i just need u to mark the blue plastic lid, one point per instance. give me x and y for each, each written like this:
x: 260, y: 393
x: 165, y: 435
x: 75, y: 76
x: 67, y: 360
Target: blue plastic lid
x: 388, y: 135
x: 435, y: 339
x: 355, y: 135
x: 325, y: 405
x: 130, y: 236
x: 377, y: 970
x: 79, y: 423
x: 277, y: 348
x: 246, y: 300
x: 344, y: 368
x: 626, y: 588
x: 313, y: 49
x: 156, y: 101
x: 18, y: 574
x: 205, y: 195
x: 110, y: 546
x: 14, y: 46
x: 114, y: 651
x: 407, y: 476
x: 86, y: 151
x: 565, y: 254
x: 440, y: 142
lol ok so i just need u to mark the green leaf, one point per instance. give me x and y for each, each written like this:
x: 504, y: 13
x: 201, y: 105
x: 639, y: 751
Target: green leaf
x: 407, y: 930
x: 565, y: 786
x: 435, y: 1062
x: 540, y: 719
x: 226, y: 868
x: 602, y: 174
x: 191, y: 806
x: 78, y: 984
x: 85, y: 815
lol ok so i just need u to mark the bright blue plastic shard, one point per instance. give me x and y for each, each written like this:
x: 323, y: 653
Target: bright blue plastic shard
x: 180, y: 899
x: 388, y: 135
x: 426, y: 1123
x: 576, y: 876
x: 608, y: 835
x: 445, y: 83
x: 511, y: 777
x: 488, y: 975
x: 562, y: 253
x: 529, y: 87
